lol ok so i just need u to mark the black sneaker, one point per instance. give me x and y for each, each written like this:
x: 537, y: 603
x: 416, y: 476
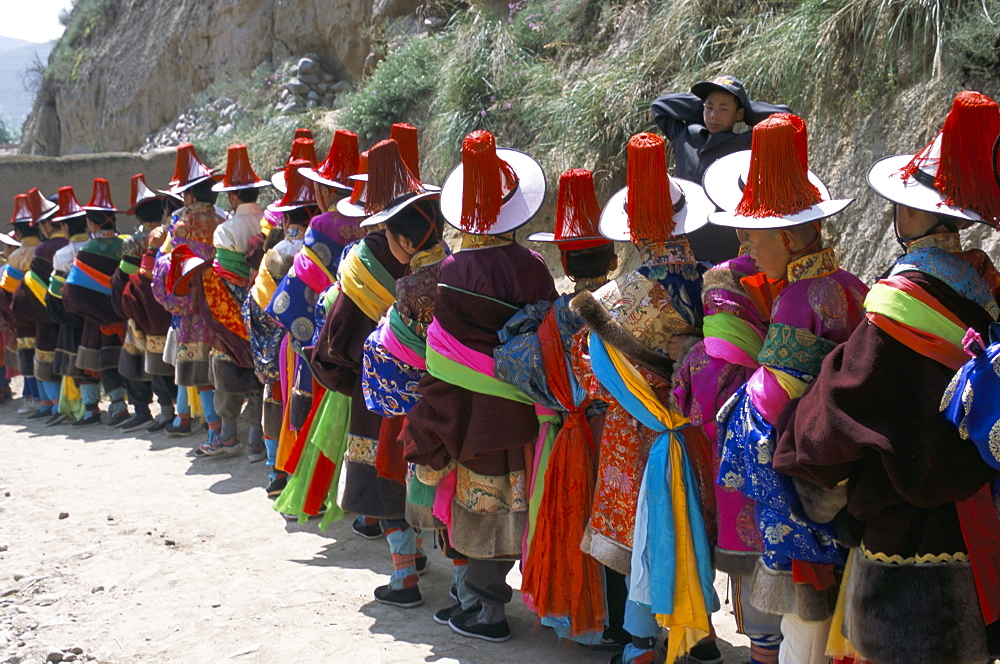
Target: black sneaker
x: 136, y: 422
x: 453, y: 592
x: 179, y: 430
x: 160, y: 423
x: 612, y: 641
x: 444, y: 615
x: 90, y: 417
x: 467, y: 624
x: 372, y: 531
x: 277, y: 485
x: 404, y: 598
x: 40, y: 414
x: 118, y: 418
x: 58, y: 418
x: 421, y: 564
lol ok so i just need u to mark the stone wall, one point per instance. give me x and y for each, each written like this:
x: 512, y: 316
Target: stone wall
x: 19, y: 173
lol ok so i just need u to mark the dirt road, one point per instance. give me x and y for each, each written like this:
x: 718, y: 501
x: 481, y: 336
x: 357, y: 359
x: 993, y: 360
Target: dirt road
x: 123, y: 548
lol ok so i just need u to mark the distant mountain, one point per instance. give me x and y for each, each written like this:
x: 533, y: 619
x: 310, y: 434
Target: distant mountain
x: 17, y: 55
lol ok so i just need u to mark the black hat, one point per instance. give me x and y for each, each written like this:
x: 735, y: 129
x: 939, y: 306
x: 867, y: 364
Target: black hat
x: 726, y: 83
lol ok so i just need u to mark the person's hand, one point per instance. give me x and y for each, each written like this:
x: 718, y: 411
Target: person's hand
x: 678, y: 344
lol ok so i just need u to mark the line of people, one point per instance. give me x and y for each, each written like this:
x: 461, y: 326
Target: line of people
x: 749, y: 408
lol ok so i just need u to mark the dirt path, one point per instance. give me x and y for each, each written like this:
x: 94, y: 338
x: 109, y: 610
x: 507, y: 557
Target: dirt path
x: 164, y: 558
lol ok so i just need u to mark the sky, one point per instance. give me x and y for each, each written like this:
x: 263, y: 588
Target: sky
x: 32, y: 20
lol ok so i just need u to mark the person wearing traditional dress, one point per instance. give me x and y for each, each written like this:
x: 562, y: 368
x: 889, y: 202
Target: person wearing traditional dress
x: 219, y: 289
x: 780, y: 208
x: 562, y: 584
x: 391, y: 369
x: 621, y: 357
x: 73, y: 218
x: 87, y: 294
x: 8, y: 333
x: 315, y: 460
x: 189, y: 340
x: 146, y: 320
x: 868, y: 436
x: 29, y: 234
x: 28, y: 300
x: 480, y: 468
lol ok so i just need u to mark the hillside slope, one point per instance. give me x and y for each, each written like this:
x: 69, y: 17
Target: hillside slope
x: 16, y: 57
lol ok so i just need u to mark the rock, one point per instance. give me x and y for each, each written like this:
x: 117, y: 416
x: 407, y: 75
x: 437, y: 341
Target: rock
x: 54, y: 655
x: 338, y: 86
x: 19, y: 575
x: 309, y: 79
x: 63, y: 515
x: 329, y: 100
x: 222, y: 130
x: 69, y: 657
x: 96, y: 589
x: 313, y: 96
x: 296, y: 86
x: 285, y: 94
x: 306, y: 65
x: 3, y: 547
x: 6, y: 494
x: 76, y: 650
x: 170, y: 542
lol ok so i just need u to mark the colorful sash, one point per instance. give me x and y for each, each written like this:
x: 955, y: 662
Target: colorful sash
x: 729, y: 337
x: 453, y: 362
x: 85, y: 276
x: 400, y: 340
x: 11, y: 278
x: 366, y: 281
x: 36, y: 286
x: 56, y: 284
x: 223, y: 304
x: 232, y: 265
x: 563, y: 582
x: 673, y: 564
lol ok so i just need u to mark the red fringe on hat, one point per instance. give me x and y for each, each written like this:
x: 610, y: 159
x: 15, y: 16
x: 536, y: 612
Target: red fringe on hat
x: 303, y: 148
x: 406, y: 136
x: 187, y: 166
x: 38, y: 203
x: 342, y: 160
x: 485, y: 178
x: 360, y: 185
x: 777, y: 183
x: 577, y: 211
x: 965, y: 171
x: 648, y: 206
x: 388, y: 177
x: 22, y: 210
x: 303, y: 132
x: 239, y: 172
x: 801, y: 136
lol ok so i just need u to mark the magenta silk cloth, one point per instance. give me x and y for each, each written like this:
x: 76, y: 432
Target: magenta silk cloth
x: 400, y: 351
x: 447, y: 345
x: 444, y: 496
x: 314, y: 276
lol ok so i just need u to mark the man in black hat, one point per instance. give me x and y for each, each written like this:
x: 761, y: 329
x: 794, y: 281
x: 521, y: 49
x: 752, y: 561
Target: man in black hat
x: 700, y: 125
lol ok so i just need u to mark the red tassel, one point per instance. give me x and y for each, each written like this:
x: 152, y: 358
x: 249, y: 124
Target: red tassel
x: 486, y: 178
x: 342, y: 160
x: 578, y: 211
x: 303, y: 132
x: 303, y: 148
x: 360, y: 185
x: 965, y: 168
x: 406, y: 136
x: 388, y: 177
x: 650, y: 210
x: 801, y: 136
x: 777, y: 183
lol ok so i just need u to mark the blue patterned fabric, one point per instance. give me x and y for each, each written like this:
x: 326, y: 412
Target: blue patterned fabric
x: 294, y: 308
x: 682, y: 282
x: 389, y: 386
x: 265, y: 340
x: 746, y: 453
x: 972, y: 400
x: 518, y: 358
x: 952, y: 270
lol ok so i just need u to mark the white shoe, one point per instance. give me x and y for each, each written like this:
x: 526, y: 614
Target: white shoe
x: 30, y: 406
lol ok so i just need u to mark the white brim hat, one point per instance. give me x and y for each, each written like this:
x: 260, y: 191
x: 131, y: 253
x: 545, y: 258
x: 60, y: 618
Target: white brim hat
x: 9, y: 239
x: 726, y: 191
x: 916, y: 191
x: 400, y: 205
x: 311, y: 174
x: 259, y: 184
x: 691, y: 210
x: 278, y: 181
x: 723, y: 184
x: 521, y: 204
